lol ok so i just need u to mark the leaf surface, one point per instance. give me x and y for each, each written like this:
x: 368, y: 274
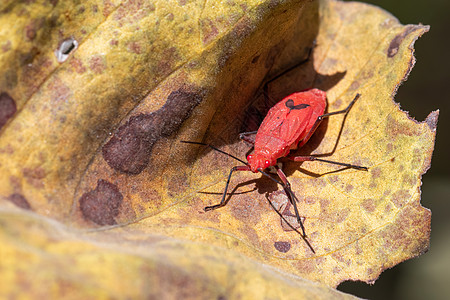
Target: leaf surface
x: 94, y: 145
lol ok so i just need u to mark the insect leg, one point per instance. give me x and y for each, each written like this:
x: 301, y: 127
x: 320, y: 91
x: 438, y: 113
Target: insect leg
x: 320, y: 118
x: 281, y: 215
x: 248, y: 137
x: 223, y: 202
x: 313, y: 158
x: 287, y: 188
x: 310, y: 50
x: 316, y: 124
x: 284, y: 72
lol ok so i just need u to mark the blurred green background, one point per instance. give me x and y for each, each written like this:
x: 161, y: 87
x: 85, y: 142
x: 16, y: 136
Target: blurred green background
x: 427, y: 89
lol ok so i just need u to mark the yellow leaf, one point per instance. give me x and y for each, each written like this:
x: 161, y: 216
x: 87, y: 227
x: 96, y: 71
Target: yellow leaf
x: 92, y: 148
x: 42, y: 258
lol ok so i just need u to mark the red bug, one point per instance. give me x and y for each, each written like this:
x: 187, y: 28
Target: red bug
x: 288, y: 126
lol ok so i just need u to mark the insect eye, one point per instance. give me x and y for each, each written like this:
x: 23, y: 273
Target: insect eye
x: 267, y: 164
x: 249, y: 157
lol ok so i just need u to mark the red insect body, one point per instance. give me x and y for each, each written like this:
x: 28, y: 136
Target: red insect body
x: 286, y: 126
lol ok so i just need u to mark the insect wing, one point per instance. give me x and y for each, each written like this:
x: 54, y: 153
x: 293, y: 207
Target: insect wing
x: 287, y: 120
x: 318, y: 101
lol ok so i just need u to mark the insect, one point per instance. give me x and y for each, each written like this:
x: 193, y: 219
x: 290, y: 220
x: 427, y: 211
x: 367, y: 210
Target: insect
x: 287, y: 126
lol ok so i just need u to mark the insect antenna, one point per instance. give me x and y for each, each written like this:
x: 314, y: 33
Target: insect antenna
x: 217, y: 149
x: 292, y: 195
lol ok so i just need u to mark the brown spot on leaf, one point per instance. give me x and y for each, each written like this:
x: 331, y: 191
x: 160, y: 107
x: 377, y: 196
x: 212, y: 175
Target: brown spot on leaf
x: 329, y: 63
x: 398, y: 39
x: 130, y: 148
x: 333, y: 179
x: 376, y: 172
x: 19, y: 200
x: 341, y: 215
x: 339, y: 256
x: 149, y: 195
x: 30, y: 31
x: 306, y: 266
x: 108, y: 7
x: 358, y: 250
x: 97, y: 64
x: 349, y: 188
x: 77, y: 65
x: 7, y: 108
x: 37, y: 173
x: 368, y: 205
x: 34, y: 176
x: 389, y: 147
x: 408, y: 179
x: 102, y: 204
x: 419, y: 220
x: 388, y: 208
x: 354, y: 86
x: 336, y: 104
x: 399, y: 198
x: 324, y: 203
x: 209, y: 30
x: 131, y: 12
x: 134, y: 47
x: 396, y: 128
x: 282, y: 246
x: 177, y: 184
x: 167, y: 61
x: 394, y: 238
x: 59, y: 91
x: 245, y: 209
x: 8, y: 149
x: 310, y: 200
x: 250, y: 233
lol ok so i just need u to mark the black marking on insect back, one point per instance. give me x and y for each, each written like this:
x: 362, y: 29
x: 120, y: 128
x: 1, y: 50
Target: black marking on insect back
x: 102, y: 204
x: 290, y: 104
x: 7, y: 108
x: 129, y: 150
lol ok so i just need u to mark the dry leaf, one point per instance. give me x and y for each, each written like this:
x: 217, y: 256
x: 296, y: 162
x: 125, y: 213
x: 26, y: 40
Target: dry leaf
x: 44, y: 259
x: 93, y: 143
